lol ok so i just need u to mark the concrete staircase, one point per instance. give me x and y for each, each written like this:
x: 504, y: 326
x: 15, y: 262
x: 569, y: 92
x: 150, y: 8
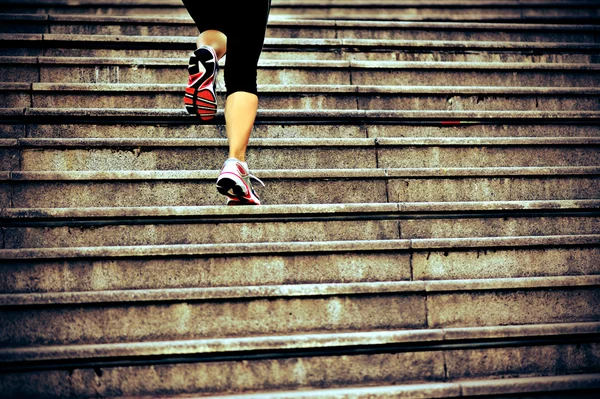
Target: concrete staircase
x: 431, y: 226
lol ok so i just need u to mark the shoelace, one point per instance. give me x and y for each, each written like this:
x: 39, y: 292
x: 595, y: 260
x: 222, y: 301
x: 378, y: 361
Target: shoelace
x: 251, y: 176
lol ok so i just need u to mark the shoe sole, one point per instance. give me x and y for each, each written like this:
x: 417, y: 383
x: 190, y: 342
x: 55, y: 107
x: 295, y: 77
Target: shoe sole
x: 198, y: 100
x: 232, y: 189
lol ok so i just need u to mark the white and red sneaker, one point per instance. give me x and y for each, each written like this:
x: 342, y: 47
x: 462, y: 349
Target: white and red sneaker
x: 200, y: 93
x: 234, y: 183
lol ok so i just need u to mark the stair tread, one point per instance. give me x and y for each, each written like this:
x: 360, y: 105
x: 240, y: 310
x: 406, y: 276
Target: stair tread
x: 302, y: 173
x: 297, y: 247
x: 280, y: 42
x: 293, y: 63
x: 296, y: 290
x: 313, y: 210
x: 291, y: 342
x: 451, y: 389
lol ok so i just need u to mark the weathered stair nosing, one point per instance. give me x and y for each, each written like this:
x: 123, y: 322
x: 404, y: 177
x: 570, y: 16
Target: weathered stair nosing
x: 310, y: 210
x: 304, y: 49
x: 164, y: 70
x: 178, y: 26
x: 293, y: 342
x: 296, y: 291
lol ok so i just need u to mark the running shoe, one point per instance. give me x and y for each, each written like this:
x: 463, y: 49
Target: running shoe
x: 234, y: 182
x: 200, y: 93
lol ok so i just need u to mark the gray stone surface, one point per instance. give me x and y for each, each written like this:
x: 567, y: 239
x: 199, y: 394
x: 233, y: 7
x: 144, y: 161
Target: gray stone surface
x: 93, y: 275
x: 523, y: 361
x: 241, y: 377
x: 499, y: 226
x: 157, y: 193
x: 513, y: 307
x: 494, y: 263
x: 493, y: 188
x: 180, y: 320
x: 434, y: 157
x: 283, y: 130
x: 178, y: 158
x: 198, y: 233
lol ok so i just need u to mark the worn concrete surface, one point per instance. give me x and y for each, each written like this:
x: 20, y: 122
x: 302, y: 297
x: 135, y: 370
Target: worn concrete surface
x: 485, y: 189
x: 92, y: 275
x: 499, y: 226
x: 188, y: 320
x: 72, y: 194
x: 178, y: 158
x: 196, y: 233
x: 513, y: 307
x: 494, y: 263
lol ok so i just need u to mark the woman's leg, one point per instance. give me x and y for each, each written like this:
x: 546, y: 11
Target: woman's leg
x: 240, y: 112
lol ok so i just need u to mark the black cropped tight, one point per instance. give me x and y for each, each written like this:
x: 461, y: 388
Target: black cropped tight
x: 244, y: 22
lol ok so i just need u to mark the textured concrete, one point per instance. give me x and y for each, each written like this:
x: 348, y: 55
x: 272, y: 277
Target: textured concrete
x: 305, y: 49
x: 390, y: 30
x: 523, y: 361
x: 304, y: 130
x: 197, y: 233
x: 157, y: 193
x: 181, y: 156
x: 513, y: 307
x: 167, y: 321
x: 171, y: 70
x: 240, y: 377
x: 493, y: 263
x: 494, y: 188
x: 326, y: 97
x: 275, y: 343
x: 178, y: 158
x: 93, y: 275
x: 498, y: 226
x: 448, y: 157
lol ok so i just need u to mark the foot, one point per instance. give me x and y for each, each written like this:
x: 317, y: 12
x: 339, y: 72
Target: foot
x: 200, y: 93
x: 234, y: 183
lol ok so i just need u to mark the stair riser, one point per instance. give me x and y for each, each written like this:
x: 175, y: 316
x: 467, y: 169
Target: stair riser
x: 297, y: 158
x: 291, y: 75
x: 191, y: 272
x: 333, y: 53
x: 305, y: 101
x: 203, y: 233
x: 297, y: 373
x: 369, y: 13
x: 143, y: 29
x: 160, y: 234
x: 131, y: 322
x: 297, y: 191
x: 285, y: 130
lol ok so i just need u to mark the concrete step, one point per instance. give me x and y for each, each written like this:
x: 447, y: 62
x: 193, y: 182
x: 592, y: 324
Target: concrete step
x: 413, y: 344
x: 563, y: 11
x: 34, y: 319
x: 79, y: 24
x: 308, y: 97
x: 326, y: 341
x: 164, y: 70
x: 65, y: 45
x: 174, y: 266
x: 34, y: 154
x: 27, y: 228
x: 159, y: 124
x: 372, y: 385
x: 297, y: 186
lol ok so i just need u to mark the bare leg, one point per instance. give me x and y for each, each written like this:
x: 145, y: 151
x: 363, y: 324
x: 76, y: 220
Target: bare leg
x: 215, y: 39
x: 240, y: 112
x: 240, y: 107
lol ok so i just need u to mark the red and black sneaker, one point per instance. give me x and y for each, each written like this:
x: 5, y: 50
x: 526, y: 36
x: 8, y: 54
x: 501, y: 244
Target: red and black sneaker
x: 200, y: 93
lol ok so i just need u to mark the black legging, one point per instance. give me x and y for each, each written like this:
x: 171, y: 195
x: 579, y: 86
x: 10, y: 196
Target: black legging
x: 244, y: 40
